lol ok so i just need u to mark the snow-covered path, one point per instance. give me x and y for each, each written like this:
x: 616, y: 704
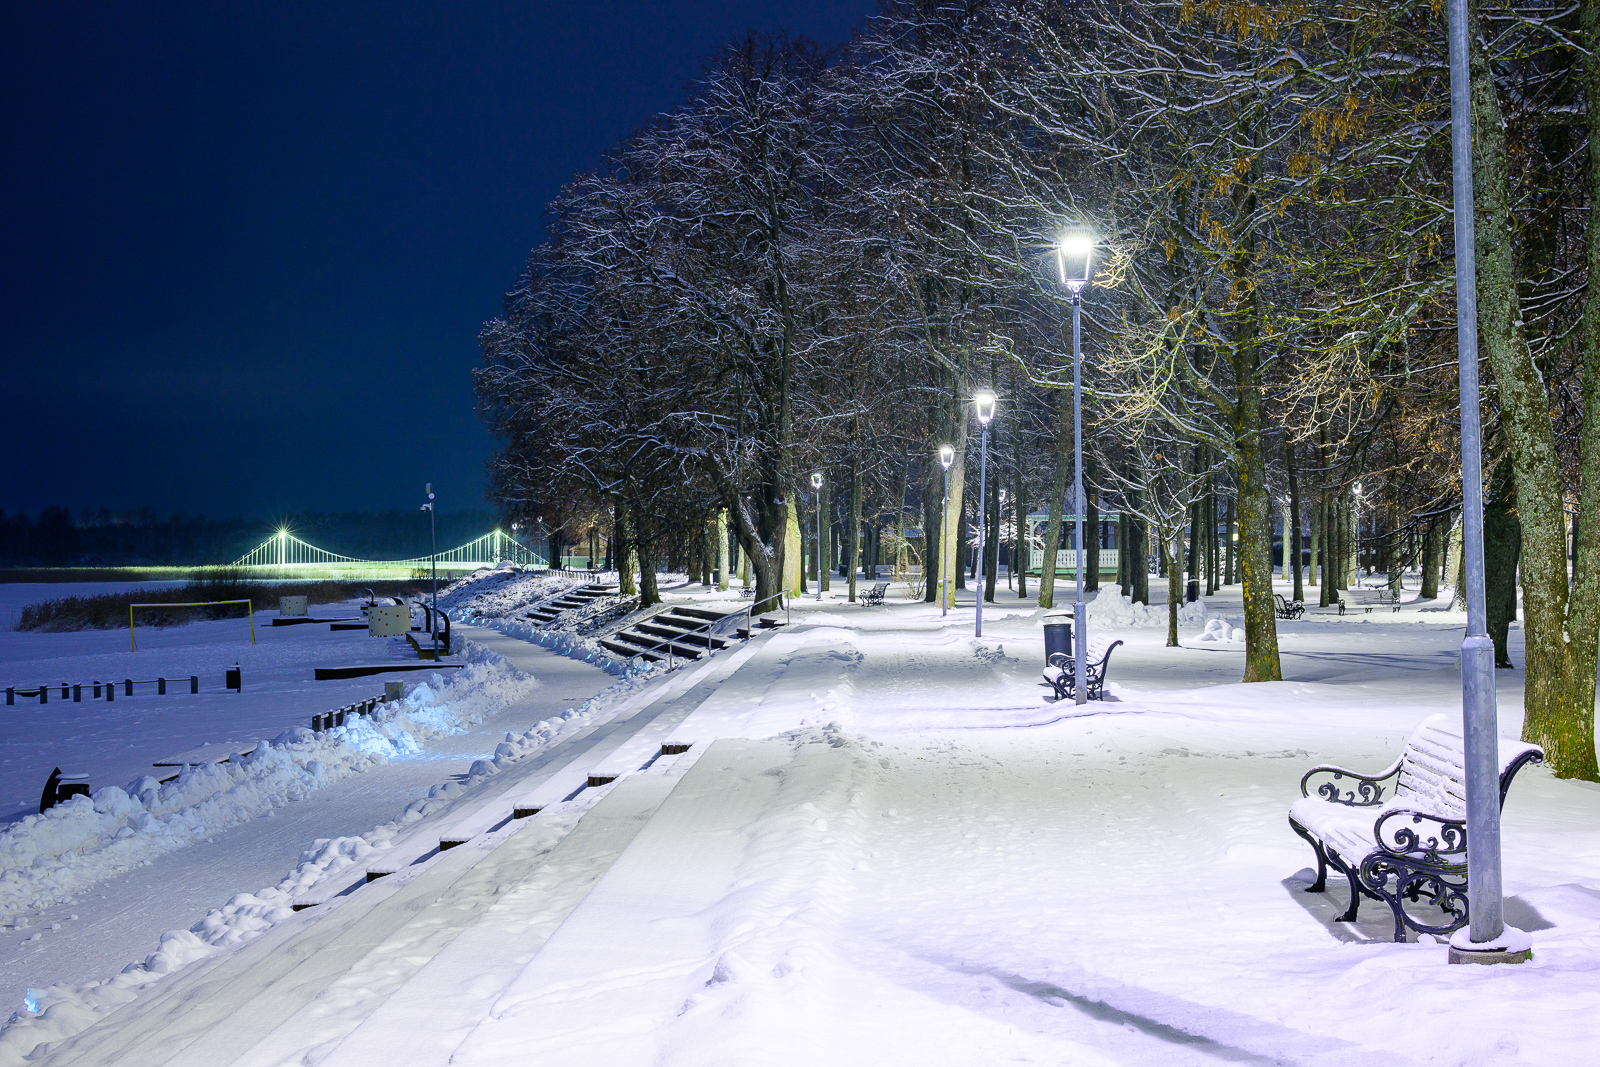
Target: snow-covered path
x: 886, y: 845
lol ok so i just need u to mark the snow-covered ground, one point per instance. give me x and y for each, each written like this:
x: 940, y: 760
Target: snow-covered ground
x: 886, y: 844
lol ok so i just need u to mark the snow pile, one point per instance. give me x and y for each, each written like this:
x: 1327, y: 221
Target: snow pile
x: 1111, y: 610
x: 1220, y: 632
x: 47, y: 858
x: 573, y: 646
x: 492, y: 594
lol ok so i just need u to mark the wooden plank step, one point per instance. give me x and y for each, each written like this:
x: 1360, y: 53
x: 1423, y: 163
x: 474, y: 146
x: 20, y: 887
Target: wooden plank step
x: 194, y: 757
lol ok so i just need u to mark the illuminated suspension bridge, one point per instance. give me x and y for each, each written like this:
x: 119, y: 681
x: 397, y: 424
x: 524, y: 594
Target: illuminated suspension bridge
x: 283, y: 551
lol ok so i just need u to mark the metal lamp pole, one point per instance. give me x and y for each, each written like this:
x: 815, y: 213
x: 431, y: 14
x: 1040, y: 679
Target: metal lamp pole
x: 947, y: 456
x: 816, y: 483
x: 1488, y: 939
x: 433, y: 563
x: 1074, y: 252
x: 983, y: 401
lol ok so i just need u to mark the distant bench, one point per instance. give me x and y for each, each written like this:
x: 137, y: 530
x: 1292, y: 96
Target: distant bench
x: 874, y: 596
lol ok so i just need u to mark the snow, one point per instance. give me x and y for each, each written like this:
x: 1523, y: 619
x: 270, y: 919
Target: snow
x: 888, y: 844
x: 48, y: 857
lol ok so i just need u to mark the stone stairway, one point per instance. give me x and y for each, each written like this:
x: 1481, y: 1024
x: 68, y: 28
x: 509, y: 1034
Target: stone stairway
x: 677, y: 632
x: 584, y: 595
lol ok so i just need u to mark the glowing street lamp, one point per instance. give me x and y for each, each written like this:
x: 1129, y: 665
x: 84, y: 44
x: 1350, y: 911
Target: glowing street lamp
x: 1073, y: 254
x: 433, y: 562
x: 983, y: 404
x: 947, y: 456
x: 816, y: 483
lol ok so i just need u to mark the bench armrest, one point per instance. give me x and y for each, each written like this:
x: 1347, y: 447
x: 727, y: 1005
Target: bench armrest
x: 1422, y: 835
x: 1365, y: 790
x: 1059, y: 659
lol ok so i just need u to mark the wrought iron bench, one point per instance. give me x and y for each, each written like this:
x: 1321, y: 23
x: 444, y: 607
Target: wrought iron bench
x: 875, y: 594
x: 1059, y: 672
x: 1411, y: 846
x: 1288, y: 609
x: 747, y: 593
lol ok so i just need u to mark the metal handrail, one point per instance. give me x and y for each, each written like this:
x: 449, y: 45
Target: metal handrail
x: 704, y: 628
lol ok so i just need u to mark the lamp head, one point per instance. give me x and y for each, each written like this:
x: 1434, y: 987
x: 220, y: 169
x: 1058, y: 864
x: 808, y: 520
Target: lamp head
x: 283, y: 535
x: 816, y: 479
x: 947, y: 456
x: 983, y: 401
x: 1073, y: 253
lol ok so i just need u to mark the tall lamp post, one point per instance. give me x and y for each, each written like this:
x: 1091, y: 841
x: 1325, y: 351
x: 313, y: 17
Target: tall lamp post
x: 983, y: 403
x: 947, y: 456
x: 433, y: 563
x: 816, y: 484
x: 1486, y: 938
x: 1072, y: 256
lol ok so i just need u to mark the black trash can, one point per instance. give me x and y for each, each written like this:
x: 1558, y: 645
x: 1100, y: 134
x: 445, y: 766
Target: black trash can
x: 1193, y: 592
x: 1057, y: 636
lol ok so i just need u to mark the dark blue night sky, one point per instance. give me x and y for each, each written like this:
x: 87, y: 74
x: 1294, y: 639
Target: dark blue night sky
x: 248, y: 247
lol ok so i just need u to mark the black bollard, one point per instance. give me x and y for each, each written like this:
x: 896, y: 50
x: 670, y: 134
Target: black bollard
x: 77, y: 694
x: 161, y: 687
x: 11, y: 694
x: 44, y: 694
x: 234, y: 679
x: 127, y: 687
x: 111, y: 691
x: 194, y: 683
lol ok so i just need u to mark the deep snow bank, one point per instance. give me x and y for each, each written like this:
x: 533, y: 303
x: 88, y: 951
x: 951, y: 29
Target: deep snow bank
x: 45, y: 859
x: 1111, y: 610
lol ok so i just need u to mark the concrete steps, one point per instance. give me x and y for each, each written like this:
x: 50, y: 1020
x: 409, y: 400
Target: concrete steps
x: 550, y: 610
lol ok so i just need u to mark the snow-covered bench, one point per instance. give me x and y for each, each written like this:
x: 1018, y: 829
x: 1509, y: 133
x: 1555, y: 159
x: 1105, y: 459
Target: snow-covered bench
x: 1288, y: 609
x: 875, y: 594
x: 1407, y: 846
x: 1059, y: 673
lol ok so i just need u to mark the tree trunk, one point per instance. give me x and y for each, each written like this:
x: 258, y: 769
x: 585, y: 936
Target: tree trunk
x: 1229, y: 569
x: 1058, y: 493
x: 1502, y: 544
x: 991, y: 537
x: 852, y: 530
x: 649, y: 594
x: 1432, y: 544
x: 622, y: 537
x: 1139, y: 545
x: 1171, y: 547
x: 935, y: 550
x: 1019, y: 507
x: 1294, y: 516
x: 1091, y: 539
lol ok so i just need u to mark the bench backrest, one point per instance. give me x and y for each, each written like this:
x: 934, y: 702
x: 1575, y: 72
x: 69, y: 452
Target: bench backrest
x: 1432, y: 766
x: 1098, y: 646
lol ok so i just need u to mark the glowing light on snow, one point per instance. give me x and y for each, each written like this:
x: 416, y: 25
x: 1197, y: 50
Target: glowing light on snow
x: 31, y: 1002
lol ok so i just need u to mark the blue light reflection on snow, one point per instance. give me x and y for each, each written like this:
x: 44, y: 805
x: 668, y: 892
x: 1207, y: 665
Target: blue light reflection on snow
x: 31, y: 1001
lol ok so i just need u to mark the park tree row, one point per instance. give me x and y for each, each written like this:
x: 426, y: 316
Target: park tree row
x: 818, y: 260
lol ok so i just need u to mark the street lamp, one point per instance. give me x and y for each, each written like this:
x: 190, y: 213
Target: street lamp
x: 1073, y: 255
x: 816, y: 483
x: 983, y: 404
x: 1486, y: 938
x: 947, y: 456
x: 433, y: 563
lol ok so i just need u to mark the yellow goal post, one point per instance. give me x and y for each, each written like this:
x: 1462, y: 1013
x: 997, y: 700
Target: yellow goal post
x: 250, y: 612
